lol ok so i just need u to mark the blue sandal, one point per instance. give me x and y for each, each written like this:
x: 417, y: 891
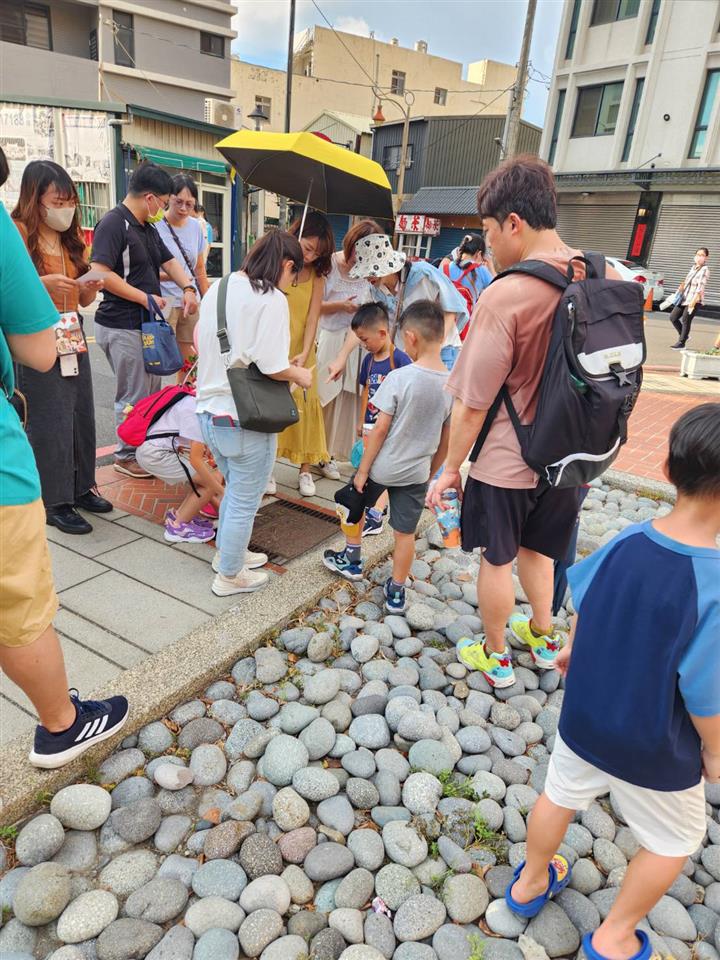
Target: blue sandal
x: 644, y: 953
x: 559, y: 871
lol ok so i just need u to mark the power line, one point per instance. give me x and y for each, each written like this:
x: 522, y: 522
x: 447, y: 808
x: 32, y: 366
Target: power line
x: 464, y: 123
x: 348, y: 50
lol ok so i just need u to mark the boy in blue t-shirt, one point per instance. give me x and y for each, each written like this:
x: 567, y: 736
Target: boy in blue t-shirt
x: 371, y: 325
x: 641, y: 713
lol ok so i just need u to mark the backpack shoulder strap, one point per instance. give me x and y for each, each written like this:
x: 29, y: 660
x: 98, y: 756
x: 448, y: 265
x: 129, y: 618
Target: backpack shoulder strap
x: 221, y: 311
x: 595, y: 263
x: 537, y: 268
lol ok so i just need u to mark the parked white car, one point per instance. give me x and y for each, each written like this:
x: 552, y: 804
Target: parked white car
x: 648, y: 278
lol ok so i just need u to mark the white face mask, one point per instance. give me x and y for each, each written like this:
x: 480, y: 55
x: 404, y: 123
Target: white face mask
x: 59, y: 218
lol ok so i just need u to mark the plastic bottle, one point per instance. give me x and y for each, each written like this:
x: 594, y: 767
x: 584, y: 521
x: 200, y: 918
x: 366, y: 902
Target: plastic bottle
x: 448, y: 517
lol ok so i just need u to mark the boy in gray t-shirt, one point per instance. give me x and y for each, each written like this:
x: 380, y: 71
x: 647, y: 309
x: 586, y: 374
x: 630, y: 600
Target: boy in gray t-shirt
x: 405, y: 448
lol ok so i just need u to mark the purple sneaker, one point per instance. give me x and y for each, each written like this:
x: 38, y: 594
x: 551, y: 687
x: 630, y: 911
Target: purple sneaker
x: 178, y: 532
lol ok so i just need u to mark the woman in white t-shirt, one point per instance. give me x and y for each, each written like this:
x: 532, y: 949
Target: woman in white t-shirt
x: 258, y: 326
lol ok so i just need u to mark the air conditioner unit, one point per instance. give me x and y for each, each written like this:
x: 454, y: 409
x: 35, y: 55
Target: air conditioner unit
x: 220, y: 113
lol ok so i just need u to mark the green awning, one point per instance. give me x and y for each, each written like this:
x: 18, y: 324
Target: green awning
x: 180, y: 161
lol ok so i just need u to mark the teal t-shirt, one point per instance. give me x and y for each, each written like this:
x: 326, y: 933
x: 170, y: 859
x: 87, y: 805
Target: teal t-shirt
x: 25, y: 307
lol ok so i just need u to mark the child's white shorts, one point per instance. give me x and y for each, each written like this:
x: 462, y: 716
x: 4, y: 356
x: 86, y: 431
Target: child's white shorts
x: 163, y: 463
x: 668, y: 823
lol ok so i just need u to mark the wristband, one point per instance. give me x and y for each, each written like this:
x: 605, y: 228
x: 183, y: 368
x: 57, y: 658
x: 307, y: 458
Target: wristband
x: 189, y: 287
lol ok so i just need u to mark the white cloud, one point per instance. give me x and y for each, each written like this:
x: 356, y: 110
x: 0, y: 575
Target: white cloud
x: 260, y: 25
x: 356, y: 25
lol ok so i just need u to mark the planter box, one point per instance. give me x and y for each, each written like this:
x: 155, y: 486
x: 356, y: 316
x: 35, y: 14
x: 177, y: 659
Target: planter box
x: 700, y: 366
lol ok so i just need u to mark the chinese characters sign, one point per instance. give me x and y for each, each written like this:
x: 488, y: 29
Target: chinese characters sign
x: 417, y: 224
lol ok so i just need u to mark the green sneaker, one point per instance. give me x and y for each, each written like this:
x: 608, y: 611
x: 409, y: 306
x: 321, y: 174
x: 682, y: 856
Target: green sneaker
x: 544, y: 649
x: 495, y: 667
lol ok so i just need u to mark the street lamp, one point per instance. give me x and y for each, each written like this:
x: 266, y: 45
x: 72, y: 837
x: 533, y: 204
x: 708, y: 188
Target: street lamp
x: 258, y: 117
x: 379, y: 118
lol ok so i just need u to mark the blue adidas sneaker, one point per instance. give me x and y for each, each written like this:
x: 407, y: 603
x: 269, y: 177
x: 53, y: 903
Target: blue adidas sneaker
x: 95, y: 720
x: 395, y: 601
x: 338, y: 562
x: 374, y: 522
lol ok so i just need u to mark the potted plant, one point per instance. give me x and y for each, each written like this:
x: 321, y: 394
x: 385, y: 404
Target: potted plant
x: 700, y: 364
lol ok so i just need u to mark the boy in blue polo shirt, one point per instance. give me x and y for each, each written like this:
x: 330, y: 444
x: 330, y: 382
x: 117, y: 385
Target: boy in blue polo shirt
x: 641, y: 713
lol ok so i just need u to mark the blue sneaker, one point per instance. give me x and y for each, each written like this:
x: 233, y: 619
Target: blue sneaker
x: 373, y: 524
x: 337, y: 561
x: 395, y: 601
x: 95, y: 720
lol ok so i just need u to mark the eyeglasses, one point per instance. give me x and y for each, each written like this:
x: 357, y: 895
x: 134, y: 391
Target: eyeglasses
x: 184, y: 203
x: 163, y: 206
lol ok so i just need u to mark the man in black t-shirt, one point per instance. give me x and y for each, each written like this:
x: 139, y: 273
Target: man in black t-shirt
x: 130, y: 253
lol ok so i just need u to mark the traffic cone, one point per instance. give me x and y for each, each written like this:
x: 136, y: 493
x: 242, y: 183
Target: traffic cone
x: 647, y: 306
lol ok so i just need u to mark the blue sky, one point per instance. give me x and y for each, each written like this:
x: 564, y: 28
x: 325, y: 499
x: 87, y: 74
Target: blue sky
x: 464, y: 30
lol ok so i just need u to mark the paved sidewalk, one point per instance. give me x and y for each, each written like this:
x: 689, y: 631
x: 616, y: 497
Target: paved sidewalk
x: 126, y: 593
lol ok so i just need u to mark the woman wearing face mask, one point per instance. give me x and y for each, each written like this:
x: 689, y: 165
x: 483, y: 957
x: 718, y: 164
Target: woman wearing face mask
x: 692, y: 289
x: 183, y: 235
x: 61, y: 413
x: 304, y: 442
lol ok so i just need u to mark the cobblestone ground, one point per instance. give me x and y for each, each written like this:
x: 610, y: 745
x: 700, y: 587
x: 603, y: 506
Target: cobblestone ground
x: 351, y: 758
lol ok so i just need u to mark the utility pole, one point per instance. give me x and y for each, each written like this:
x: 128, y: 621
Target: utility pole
x: 511, y: 132
x: 282, y: 214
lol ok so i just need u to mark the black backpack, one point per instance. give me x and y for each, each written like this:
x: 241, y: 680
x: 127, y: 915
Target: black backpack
x: 591, y: 378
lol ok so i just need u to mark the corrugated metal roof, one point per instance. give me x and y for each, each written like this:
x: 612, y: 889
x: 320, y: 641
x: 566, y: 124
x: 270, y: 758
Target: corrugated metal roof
x: 443, y: 200
x: 355, y: 121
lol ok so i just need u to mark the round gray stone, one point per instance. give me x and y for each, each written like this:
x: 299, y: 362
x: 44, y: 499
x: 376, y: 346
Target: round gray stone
x: 39, y: 840
x: 395, y: 884
x: 290, y: 810
x: 268, y: 892
x: 362, y: 794
x: 137, y: 821
x: 286, y: 948
x: 157, y: 901
x: 128, y: 872
x: 323, y: 687
x: 328, y: 944
x: 126, y: 938
x: 355, y: 889
x: 359, y: 763
x: 367, y: 847
x: 466, y: 897
x: 669, y: 918
x: 42, y: 894
x: 553, y: 930
x: 208, y: 764
x: 432, y: 756
x: 212, y: 912
x: 337, y: 813
x: 260, y: 856
x: 81, y: 806
x: 258, y: 930
x: 87, y: 916
x: 284, y: 756
x: 219, y: 878
x: 327, y: 861
x: 217, y: 945
x: 370, y: 731
x: 418, y: 917
x: 315, y: 784
x: 318, y: 738
x: 403, y: 845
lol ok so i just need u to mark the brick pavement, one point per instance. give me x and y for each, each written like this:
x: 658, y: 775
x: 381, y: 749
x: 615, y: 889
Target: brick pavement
x: 654, y: 415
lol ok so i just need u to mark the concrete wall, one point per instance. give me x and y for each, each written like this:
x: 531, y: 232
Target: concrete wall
x: 330, y: 63
x: 71, y: 26
x: 25, y: 71
x: 674, y: 67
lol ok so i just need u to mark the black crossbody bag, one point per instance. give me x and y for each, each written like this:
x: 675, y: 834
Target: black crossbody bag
x: 263, y: 404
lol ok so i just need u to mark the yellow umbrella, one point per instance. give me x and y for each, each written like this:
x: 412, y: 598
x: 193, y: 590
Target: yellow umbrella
x: 309, y: 170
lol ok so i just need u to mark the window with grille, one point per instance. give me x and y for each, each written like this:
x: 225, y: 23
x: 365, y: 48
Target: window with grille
x: 397, y: 82
x: 392, y: 155
x: 415, y: 245
x: 212, y: 44
x: 597, y: 110
x: 264, y: 104
x: 702, y: 123
x: 123, y: 39
x: 440, y: 96
x: 25, y: 23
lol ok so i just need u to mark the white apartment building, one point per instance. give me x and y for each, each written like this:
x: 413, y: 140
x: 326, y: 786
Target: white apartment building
x: 632, y: 131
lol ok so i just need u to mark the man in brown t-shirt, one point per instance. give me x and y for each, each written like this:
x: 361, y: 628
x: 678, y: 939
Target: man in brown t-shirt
x: 507, y: 511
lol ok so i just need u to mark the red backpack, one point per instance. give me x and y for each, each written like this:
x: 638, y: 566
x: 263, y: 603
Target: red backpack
x: 134, y: 428
x: 463, y: 291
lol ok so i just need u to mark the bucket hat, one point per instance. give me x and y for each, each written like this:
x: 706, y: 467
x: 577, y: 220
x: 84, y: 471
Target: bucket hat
x: 375, y: 257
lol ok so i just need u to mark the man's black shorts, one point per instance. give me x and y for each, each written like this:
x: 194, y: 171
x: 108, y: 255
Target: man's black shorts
x: 501, y: 520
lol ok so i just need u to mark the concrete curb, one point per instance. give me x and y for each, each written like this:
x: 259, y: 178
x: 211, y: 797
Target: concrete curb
x: 178, y: 672
x: 632, y: 484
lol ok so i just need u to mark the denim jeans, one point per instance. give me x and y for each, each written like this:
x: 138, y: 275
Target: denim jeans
x: 245, y: 458
x: 449, y: 355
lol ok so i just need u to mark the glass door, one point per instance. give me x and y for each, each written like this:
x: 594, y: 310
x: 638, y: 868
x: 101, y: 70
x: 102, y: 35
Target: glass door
x: 216, y: 201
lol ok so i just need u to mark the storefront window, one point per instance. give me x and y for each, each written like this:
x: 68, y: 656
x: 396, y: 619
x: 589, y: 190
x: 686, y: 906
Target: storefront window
x: 415, y: 245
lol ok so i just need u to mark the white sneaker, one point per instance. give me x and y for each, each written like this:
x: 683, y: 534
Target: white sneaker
x: 271, y: 488
x: 247, y: 581
x: 306, y: 485
x: 330, y: 470
x: 252, y: 560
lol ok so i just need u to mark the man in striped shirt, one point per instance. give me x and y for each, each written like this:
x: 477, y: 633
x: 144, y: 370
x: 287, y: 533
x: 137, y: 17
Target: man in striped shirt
x: 692, y: 289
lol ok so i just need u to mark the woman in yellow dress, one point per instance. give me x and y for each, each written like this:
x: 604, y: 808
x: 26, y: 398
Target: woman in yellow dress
x: 304, y: 442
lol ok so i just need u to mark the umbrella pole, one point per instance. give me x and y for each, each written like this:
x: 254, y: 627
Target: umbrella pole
x: 305, y: 210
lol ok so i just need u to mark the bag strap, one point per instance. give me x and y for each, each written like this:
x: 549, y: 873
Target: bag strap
x: 537, y: 268
x: 404, y: 274
x: 222, y: 333
x: 181, y: 248
x: 154, y: 309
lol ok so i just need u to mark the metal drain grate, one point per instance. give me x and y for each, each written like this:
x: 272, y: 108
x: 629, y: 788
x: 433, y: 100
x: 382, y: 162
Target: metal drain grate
x: 284, y: 530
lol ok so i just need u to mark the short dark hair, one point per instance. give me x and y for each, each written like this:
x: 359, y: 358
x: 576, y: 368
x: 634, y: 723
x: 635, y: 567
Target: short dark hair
x: 705, y: 251
x: 183, y: 181
x: 150, y: 178
x: 263, y: 264
x: 316, y: 225
x: 370, y: 315
x: 426, y: 318
x: 523, y: 185
x: 694, y: 459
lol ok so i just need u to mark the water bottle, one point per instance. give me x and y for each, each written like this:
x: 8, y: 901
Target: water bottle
x: 448, y: 518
